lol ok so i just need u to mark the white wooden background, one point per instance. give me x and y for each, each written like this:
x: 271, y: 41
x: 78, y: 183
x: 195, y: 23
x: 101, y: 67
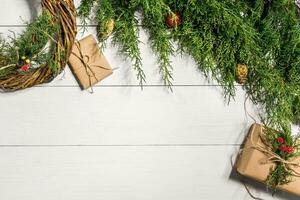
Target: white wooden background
x: 120, y: 143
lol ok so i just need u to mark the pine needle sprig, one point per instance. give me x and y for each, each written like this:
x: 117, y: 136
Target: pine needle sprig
x: 126, y: 36
x: 154, y: 13
x: 219, y: 35
x: 286, y: 146
x: 275, y: 83
x: 84, y: 11
x: 104, y: 14
x: 36, y: 37
x: 32, y: 44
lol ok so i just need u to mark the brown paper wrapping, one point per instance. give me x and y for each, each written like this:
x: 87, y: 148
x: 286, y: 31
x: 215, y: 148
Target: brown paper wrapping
x: 87, y: 63
x: 250, y: 160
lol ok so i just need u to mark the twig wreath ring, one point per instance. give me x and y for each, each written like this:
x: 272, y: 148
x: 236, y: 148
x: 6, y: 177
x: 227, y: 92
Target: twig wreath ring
x: 41, y: 52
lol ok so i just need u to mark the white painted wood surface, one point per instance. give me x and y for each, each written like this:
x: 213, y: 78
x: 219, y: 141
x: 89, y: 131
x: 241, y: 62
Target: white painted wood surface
x: 120, y: 143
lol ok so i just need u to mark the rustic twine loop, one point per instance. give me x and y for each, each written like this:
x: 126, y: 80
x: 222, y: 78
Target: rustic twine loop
x: 64, y: 14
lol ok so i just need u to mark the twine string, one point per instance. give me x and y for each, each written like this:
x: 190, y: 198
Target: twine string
x: 246, y: 110
x: 240, y: 177
x: 85, y: 60
x: 244, y: 183
x: 272, y: 156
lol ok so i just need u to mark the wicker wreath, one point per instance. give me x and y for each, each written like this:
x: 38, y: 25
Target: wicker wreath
x: 41, y: 52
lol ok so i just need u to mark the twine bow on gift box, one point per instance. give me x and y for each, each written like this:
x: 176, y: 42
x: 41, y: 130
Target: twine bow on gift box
x: 266, y: 148
x: 88, y: 65
x: 272, y: 157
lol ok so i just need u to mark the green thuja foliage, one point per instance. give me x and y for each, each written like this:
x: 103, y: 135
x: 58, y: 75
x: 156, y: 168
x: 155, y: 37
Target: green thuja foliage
x: 104, y: 14
x: 32, y: 41
x: 154, y: 13
x: 126, y: 27
x: 127, y: 35
x: 286, y: 146
x: 275, y: 83
x: 218, y: 35
x: 296, y: 110
x: 264, y: 35
x: 31, y: 44
x: 85, y: 9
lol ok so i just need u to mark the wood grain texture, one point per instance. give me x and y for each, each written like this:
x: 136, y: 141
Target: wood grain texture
x: 23, y: 11
x: 121, y: 116
x: 120, y: 143
x: 118, y: 173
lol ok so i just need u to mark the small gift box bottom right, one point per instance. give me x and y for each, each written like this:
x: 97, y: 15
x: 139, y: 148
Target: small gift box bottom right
x: 251, y: 161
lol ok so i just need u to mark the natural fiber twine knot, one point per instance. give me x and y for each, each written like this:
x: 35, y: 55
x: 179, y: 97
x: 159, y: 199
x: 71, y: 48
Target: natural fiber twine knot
x: 272, y: 157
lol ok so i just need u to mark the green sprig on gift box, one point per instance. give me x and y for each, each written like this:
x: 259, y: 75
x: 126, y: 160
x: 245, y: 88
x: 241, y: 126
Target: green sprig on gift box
x: 263, y: 36
x: 286, y: 146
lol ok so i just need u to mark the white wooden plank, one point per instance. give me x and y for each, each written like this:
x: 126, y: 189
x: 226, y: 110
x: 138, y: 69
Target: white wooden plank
x: 16, y: 12
x: 115, y: 173
x: 122, y: 115
x: 23, y: 10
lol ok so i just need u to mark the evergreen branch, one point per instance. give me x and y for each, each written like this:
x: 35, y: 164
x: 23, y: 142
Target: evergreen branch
x: 286, y: 146
x: 30, y: 44
x: 127, y: 36
x: 153, y: 21
x: 219, y: 35
x: 104, y: 14
x: 84, y: 11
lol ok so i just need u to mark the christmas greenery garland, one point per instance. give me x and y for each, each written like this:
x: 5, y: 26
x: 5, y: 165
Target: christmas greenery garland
x: 253, y: 43
x: 41, y: 51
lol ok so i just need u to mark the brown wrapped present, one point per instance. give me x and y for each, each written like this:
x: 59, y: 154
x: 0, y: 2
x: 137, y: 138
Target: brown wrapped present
x: 252, y: 161
x: 87, y: 62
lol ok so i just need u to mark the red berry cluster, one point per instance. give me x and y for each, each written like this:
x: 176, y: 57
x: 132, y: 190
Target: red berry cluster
x: 25, y: 68
x: 25, y: 64
x: 284, y: 148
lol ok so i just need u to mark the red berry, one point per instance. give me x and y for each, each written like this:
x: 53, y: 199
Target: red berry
x: 283, y: 148
x: 25, y: 68
x: 289, y: 149
x: 280, y: 140
x: 173, y: 20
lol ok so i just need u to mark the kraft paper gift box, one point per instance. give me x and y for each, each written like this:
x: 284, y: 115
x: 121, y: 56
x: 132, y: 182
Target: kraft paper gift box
x: 87, y: 62
x: 251, y: 163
